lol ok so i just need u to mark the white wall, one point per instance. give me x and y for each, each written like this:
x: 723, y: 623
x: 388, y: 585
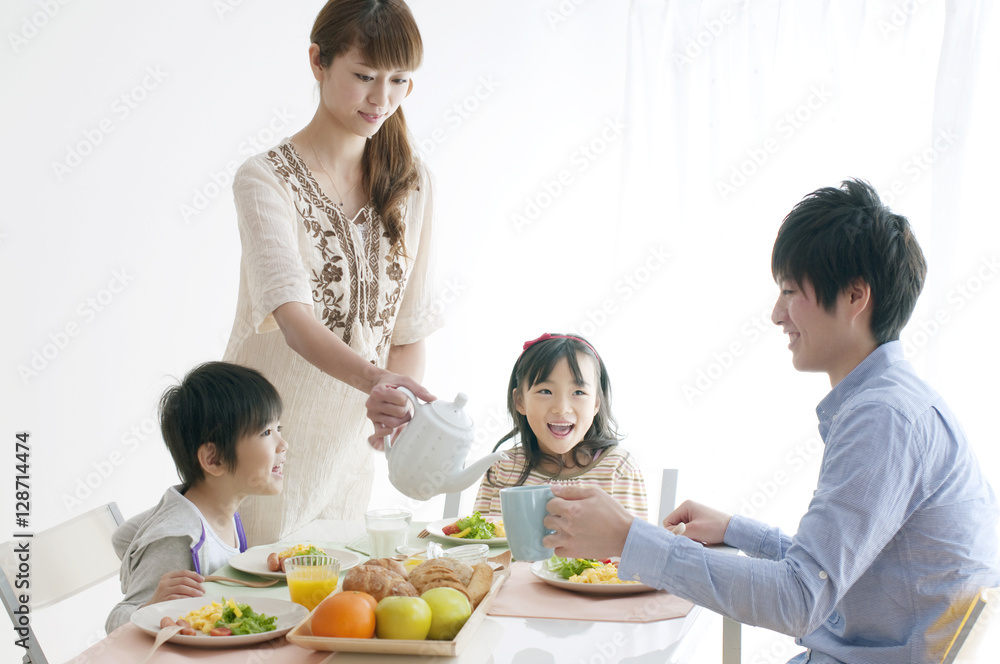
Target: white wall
x: 120, y: 266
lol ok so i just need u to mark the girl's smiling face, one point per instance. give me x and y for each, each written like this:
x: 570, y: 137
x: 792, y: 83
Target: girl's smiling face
x: 357, y: 96
x: 559, y: 410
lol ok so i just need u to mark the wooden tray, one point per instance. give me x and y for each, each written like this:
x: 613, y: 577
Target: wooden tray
x: 302, y: 634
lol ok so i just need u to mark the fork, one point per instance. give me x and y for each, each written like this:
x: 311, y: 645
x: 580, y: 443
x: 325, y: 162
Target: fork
x: 423, y: 533
x: 161, y: 637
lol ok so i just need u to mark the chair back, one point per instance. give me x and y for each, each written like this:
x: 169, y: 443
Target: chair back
x: 978, y: 637
x: 668, y: 493
x: 61, y: 562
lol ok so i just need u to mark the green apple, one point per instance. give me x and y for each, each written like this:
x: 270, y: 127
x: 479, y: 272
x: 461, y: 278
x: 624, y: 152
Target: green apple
x: 449, y: 611
x: 402, y: 618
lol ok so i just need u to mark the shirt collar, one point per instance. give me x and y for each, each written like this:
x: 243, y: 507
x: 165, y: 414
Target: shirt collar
x: 875, y: 364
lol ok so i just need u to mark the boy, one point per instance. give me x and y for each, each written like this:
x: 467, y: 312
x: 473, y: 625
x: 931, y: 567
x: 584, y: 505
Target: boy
x: 901, y: 531
x: 221, y: 427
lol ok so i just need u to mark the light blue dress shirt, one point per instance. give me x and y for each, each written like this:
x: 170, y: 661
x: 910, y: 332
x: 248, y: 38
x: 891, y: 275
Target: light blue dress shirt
x: 900, y: 534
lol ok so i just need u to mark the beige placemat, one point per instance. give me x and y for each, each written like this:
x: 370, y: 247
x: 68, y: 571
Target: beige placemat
x: 526, y: 596
x: 129, y: 644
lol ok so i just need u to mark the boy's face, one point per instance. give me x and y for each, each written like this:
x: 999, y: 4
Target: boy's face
x: 260, y: 457
x: 817, y: 338
x: 559, y: 411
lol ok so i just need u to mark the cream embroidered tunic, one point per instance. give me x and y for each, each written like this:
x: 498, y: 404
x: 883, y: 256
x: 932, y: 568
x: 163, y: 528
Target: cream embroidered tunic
x: 299, y: 247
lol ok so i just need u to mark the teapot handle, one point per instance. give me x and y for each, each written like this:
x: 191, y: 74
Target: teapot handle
x: 387, y: 443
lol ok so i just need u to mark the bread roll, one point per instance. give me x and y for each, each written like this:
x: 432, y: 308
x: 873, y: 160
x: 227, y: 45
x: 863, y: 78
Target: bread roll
x: 389, y: 564
x: 479, y: 585
x: 461, y: 570
x: 437, y: 577
x: 378, y: 582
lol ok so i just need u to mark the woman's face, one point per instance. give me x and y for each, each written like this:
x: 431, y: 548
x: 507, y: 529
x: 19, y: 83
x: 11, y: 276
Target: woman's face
x: 357, y: 96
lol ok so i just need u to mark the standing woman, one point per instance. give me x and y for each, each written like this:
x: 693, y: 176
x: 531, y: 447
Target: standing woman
x: 335, y: 227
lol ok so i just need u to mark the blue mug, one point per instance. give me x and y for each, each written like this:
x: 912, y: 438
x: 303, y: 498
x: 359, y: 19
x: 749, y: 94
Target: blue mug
x: 524, y: 508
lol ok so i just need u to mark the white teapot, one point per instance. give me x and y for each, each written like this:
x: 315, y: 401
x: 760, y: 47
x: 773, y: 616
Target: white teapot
x: 428, y: 457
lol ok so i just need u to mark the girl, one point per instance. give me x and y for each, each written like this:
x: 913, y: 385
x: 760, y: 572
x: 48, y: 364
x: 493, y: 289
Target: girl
x: 559, y: 397
x: 335, y: 227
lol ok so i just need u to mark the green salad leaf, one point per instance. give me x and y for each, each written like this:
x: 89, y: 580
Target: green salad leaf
x: 250, y: 622
x: 481, y: 528
x: 567, y: 567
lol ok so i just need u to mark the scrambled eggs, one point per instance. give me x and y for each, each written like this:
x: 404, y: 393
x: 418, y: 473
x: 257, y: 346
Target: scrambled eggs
x: 498, y: 530
x: 601, y: 574
x: 204, y: 619
x: 300, y: 550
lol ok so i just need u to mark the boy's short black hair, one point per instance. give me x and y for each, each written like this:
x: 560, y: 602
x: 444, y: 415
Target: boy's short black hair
x: 834, y: 236
x: 217, y: 402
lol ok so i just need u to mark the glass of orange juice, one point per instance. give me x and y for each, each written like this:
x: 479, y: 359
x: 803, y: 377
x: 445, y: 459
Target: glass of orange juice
x: 311, y: 578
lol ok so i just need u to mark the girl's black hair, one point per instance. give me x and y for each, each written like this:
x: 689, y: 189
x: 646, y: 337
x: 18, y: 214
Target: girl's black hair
x: 534, y: 366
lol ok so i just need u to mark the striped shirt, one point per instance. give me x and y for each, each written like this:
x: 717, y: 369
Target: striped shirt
x: 615, y: 471
x: 899, y: 536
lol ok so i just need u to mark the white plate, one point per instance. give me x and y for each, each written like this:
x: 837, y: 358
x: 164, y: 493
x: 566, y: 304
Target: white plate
x: 541, y: 570
x: 254, y: 561
x: 289, y: 615
x: 437, y: 529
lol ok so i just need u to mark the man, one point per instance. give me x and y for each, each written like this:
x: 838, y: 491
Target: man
x: 901, y: 531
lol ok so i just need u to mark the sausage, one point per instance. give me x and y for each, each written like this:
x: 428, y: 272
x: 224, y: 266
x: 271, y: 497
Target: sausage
x: 166, y: 621
x: 221, y: 631
x: 272, y: 562
x: 188, y: 631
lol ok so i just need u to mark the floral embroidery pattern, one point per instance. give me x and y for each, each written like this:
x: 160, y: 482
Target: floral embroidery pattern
x: 351, y: 258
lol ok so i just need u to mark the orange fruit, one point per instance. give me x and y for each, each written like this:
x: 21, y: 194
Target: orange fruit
x: 347, y: 615
x: 368, y: 598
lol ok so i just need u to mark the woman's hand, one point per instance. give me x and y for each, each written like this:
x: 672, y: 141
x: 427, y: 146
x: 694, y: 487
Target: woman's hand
x: 702, y: 523
x: 388, y: 408
x: 178, y: 585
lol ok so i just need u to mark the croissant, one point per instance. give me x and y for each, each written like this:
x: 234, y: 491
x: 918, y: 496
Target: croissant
x: 378, y: 582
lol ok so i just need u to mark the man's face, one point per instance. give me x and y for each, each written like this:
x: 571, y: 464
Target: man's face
x: 817, y: 337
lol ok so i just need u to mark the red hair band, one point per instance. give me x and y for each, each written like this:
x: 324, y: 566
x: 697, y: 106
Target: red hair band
x: 547, y: 336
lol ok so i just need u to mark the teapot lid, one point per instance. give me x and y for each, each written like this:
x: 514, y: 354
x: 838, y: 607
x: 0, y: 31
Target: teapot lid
x: 453, y: 412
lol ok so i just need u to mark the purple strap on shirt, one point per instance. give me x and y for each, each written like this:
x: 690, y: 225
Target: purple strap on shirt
x: 240, y: 535
x: 195, y: 549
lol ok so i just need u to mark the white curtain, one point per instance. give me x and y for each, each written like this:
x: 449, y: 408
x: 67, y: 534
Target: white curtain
x: 733, y: 112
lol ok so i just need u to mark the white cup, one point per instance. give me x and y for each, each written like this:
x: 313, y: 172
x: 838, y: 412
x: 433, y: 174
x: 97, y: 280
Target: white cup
x: 387, y: 530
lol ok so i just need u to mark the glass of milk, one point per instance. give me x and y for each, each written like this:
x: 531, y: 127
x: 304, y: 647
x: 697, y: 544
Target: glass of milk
x: 387, y: 529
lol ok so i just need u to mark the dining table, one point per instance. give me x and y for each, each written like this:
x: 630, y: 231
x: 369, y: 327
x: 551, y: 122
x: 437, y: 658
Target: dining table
x: 590, y: 638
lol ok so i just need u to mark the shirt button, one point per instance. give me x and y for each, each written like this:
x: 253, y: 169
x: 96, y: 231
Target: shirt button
x: 823, y: 575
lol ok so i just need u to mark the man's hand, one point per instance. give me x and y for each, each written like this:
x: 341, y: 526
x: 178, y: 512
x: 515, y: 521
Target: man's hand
x: 702, y: 524
x: 178, y: 585
x: 388, y: 408
x: 588, y: 523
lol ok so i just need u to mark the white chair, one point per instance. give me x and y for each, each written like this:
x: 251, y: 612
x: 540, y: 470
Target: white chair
x: 978, y: 635
x: 452, y: 502
x: 63, y: 561
x: 731, y: 630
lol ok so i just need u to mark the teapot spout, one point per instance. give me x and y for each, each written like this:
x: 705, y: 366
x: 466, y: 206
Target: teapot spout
x: 465, y: 478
